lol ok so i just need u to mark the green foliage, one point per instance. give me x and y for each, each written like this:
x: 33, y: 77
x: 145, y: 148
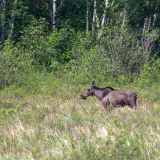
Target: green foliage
x: 139, y: 10
x: 115, y: 55
x: 150, y: 74
x: 72, y: 13
x: 61, y: 42
x: 46, y: 51
x: 14, y: 65
x: 6, y: 112
x: 33, y: 43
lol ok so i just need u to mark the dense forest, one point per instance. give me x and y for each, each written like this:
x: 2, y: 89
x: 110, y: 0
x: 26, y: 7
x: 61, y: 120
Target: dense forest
x: 51, y: 51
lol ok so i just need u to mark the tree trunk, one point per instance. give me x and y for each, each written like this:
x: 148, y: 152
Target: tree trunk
x: 13, y: 19
x: 124, y: 18
x: 74, y: 8
x: 95, y: 20
x: 154, y: 19
x: 87, y: 18
x: 2, y: 28
x: 54, y: 14
x: 105, y: 18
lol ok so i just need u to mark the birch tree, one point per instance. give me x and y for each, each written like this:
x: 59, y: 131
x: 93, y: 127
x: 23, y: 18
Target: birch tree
x: 105, y: 17
x: 54, y: 14
x: 95, y: 20
x: 55, y: 11
x: 2, y: 28
x: 87, y: 17
x: 12, y: 23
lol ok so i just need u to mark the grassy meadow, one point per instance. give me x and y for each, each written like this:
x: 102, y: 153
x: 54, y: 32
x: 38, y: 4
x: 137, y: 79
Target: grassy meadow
x: 51, y: 51
x: 54, y: 123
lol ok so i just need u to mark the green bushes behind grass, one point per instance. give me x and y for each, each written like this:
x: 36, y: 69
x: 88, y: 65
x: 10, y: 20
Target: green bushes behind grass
x: 116, y: 56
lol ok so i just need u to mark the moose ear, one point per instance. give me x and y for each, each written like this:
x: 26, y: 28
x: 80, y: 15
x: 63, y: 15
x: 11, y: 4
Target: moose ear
x: 93, y: 83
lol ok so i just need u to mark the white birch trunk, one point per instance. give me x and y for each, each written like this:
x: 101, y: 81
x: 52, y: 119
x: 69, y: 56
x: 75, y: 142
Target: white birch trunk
x: 2, y: 28
x: 87, y: 17
x: 104, y: 17
x: 154, y: 19
x: 54, y: 14
x: 13, y: 19
x: 95, y: 20
x: 124, y: 16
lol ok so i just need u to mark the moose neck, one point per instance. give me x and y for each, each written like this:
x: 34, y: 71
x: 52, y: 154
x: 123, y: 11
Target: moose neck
x: 98, y: 93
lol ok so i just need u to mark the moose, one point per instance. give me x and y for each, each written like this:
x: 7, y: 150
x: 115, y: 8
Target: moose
x: 112, y: 97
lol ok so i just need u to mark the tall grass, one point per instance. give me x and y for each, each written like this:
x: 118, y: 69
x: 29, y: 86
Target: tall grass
x: 55, y: 123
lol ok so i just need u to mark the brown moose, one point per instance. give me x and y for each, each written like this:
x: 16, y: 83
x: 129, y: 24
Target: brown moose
x: 112, y: 97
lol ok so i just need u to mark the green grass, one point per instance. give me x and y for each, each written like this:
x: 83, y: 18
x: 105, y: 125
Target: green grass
x: 60, y: 125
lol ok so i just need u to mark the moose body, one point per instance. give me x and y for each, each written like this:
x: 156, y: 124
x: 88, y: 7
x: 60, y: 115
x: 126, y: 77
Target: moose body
x: 110, y: 96
x: 120, y: 98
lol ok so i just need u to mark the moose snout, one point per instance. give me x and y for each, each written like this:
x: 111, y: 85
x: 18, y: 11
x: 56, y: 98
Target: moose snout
x: 83, y: 97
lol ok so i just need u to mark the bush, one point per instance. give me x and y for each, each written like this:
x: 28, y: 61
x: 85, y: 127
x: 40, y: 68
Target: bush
x: 15, y: 65
x: 150, y: 74
x: 47, y: 51
x: 115, y: 56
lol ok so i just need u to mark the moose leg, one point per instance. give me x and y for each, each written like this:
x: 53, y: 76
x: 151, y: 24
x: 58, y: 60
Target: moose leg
x: 135, y: 102
x: 132, y: 102
x: 106, y: 104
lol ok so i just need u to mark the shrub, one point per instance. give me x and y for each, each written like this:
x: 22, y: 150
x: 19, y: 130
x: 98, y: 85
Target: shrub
x: 15, y: 65
x: 150, y: 74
